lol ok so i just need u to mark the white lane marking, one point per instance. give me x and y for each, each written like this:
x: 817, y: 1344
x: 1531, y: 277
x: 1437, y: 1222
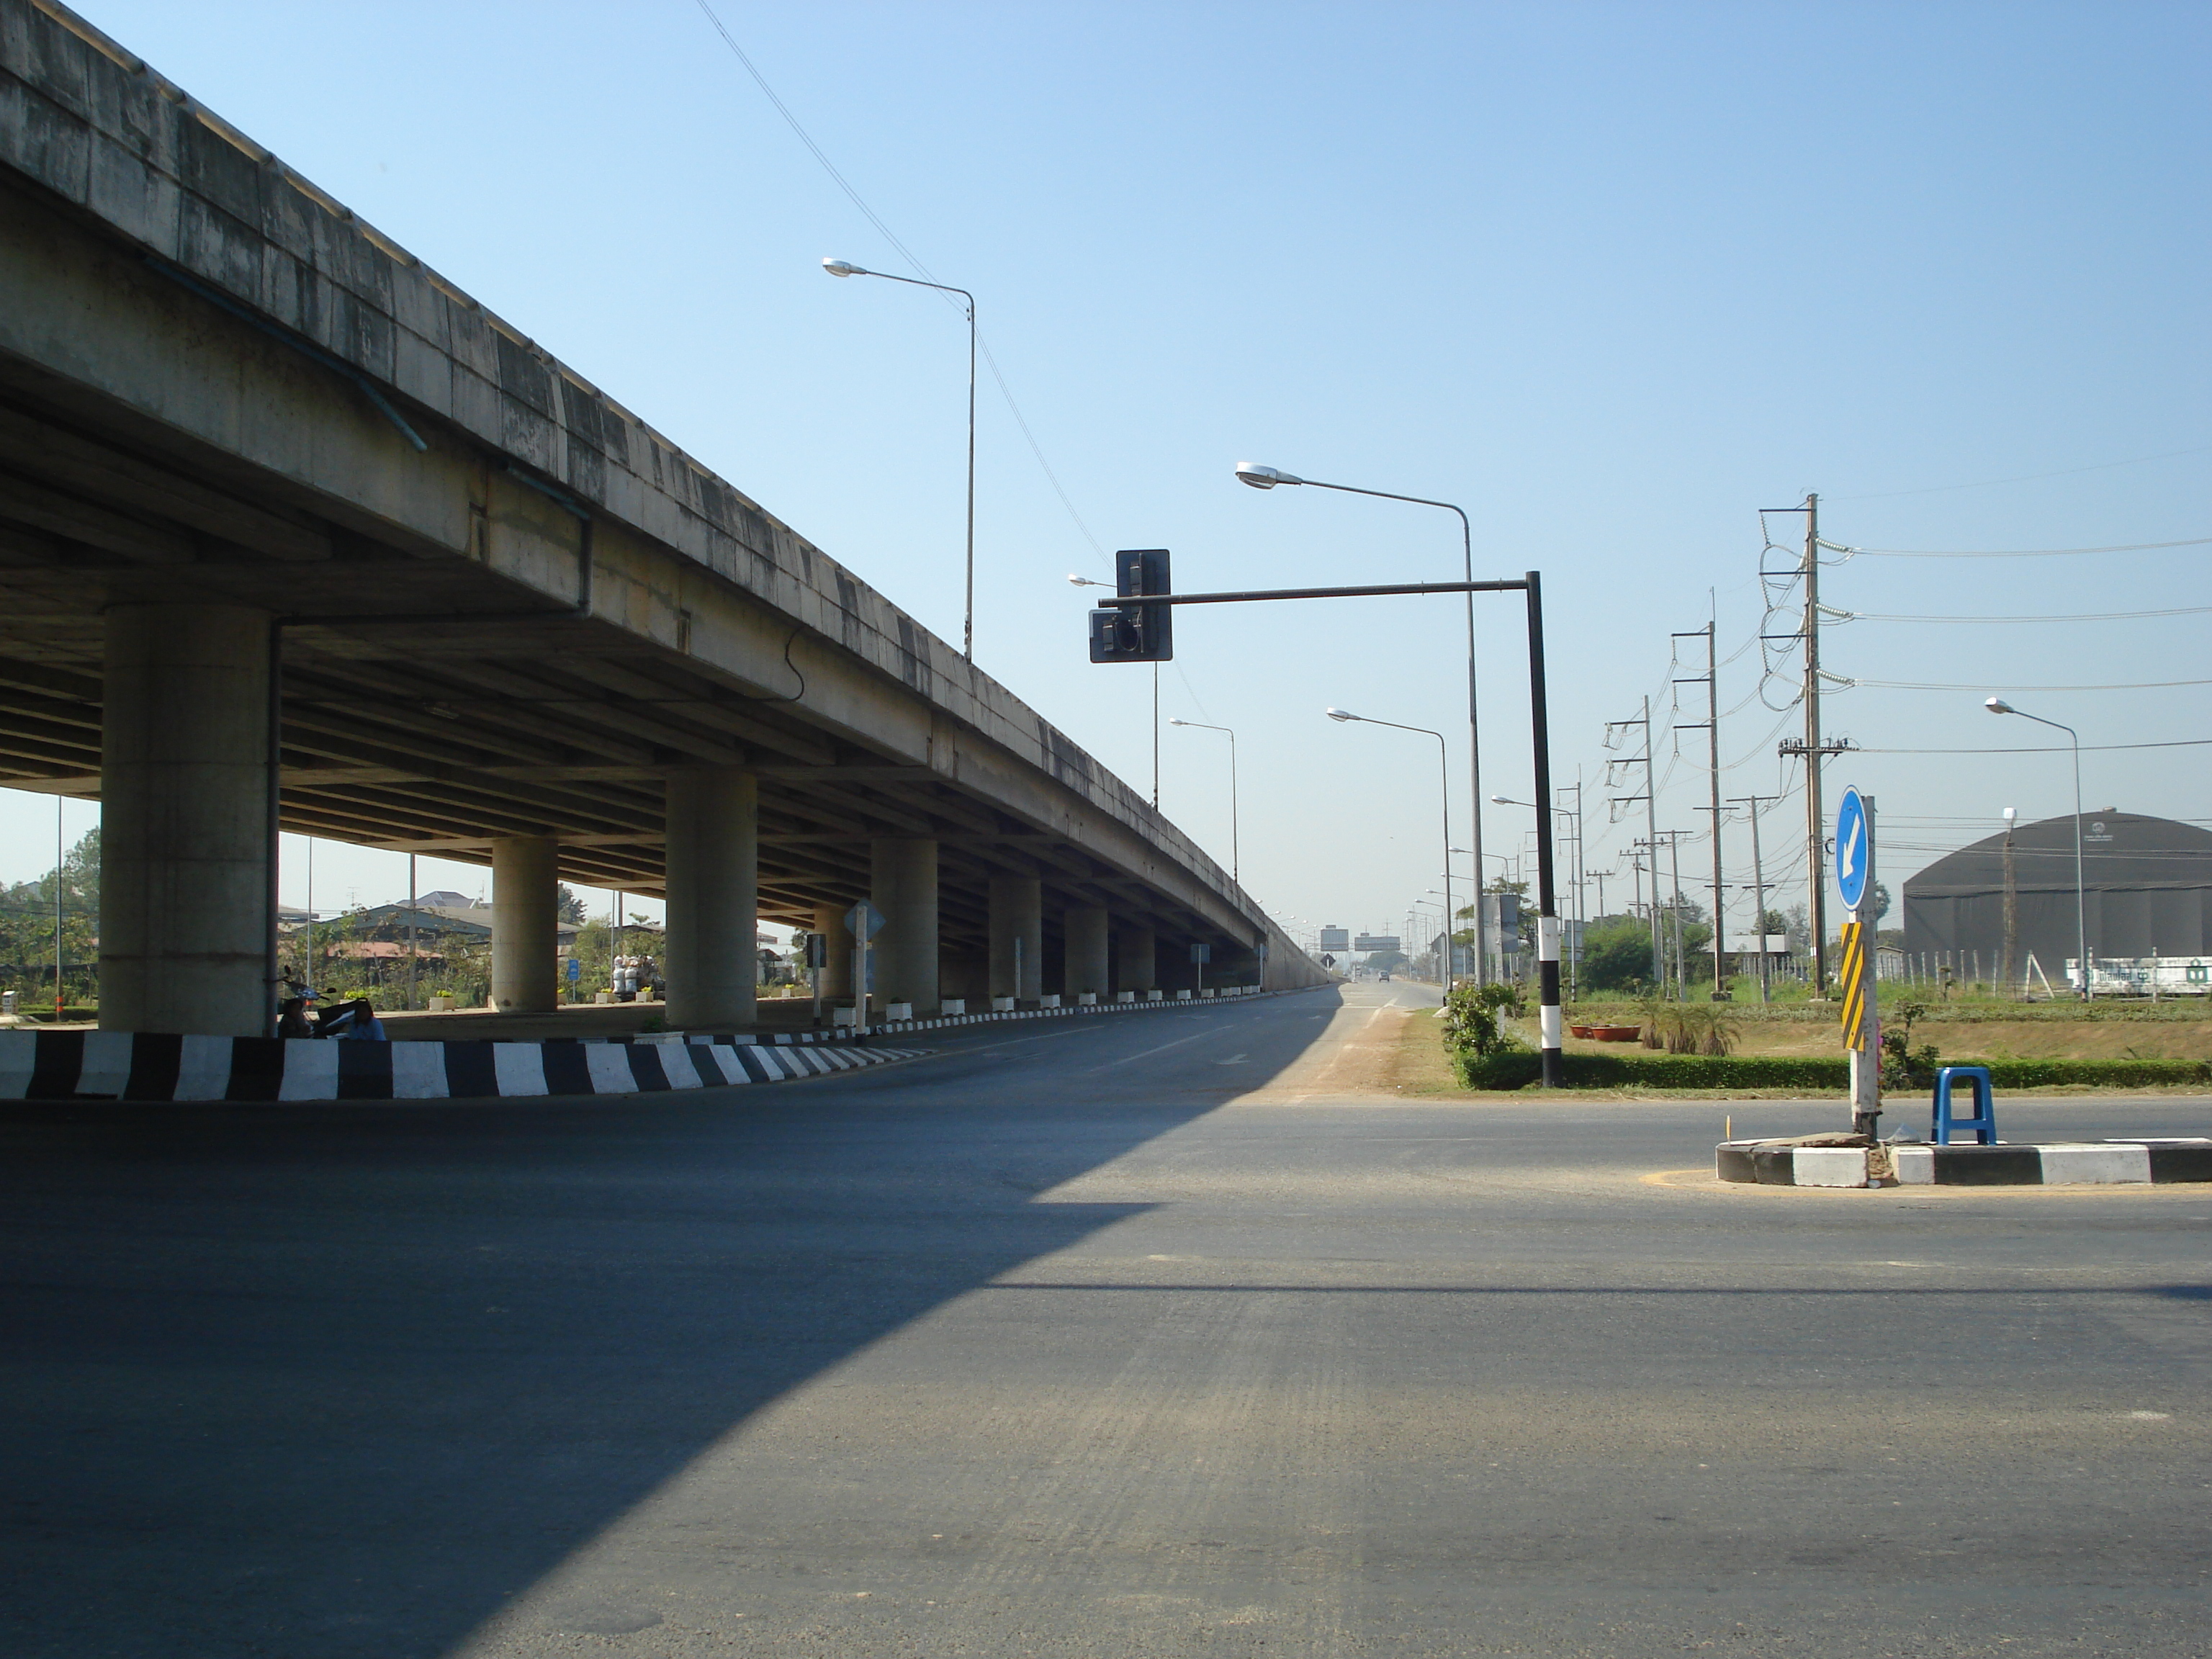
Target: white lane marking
x: 1143, y: 1053
x: 1235, y: 1060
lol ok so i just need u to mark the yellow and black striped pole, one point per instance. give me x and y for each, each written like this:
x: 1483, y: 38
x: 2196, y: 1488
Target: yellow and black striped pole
x: 1861, y: 1000
x: 1854, y: 977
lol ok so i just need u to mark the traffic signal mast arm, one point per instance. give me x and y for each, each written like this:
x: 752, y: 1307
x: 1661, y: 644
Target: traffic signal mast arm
x: 1315, y: 593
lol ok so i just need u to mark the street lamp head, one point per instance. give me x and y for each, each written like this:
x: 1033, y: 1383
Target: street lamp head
x: 1506, y: 800
x: 1999, y: 706
x: 1340, y: 714
x: 1172, y: 720
x: 843, y: 268
x: 1075, y: 580
x: 1264, y: 478
x: 2010, y: 813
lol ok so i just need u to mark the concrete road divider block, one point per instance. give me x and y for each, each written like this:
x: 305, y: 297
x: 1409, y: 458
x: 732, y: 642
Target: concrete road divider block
x: 2068, y: 1163
x: 1830, y: 1166
x: 2097, y: 1166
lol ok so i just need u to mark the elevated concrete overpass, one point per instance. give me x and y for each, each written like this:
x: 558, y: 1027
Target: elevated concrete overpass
x: 294, y: 532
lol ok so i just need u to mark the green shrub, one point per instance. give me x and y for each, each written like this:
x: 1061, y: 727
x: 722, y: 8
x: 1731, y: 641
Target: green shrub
x: 1471, y: 1019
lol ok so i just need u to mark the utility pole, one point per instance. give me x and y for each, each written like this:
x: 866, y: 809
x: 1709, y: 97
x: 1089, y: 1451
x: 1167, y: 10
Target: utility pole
x: 1750, y: 804
x: 1650, y: 827
x: 1813, y: 750
x: 1674, y: 908
x: 1712, y: 725
x: 1815, y: 818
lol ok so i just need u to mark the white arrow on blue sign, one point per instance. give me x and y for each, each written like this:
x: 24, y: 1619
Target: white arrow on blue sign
x: 1854, y: 849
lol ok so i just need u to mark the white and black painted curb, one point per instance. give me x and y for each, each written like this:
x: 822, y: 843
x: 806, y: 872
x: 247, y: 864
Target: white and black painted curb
x: 2056, y: 1164
x: 1185, y: 1000
x: 126, y: 1065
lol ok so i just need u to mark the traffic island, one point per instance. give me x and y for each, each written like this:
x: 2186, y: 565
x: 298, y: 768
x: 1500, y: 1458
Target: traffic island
x: 1855, y: 1161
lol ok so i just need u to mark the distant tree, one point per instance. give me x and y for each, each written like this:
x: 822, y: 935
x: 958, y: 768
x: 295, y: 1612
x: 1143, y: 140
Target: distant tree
x: 568, y: 906
x: 1617, y: 955
x: 26, y: 928
x: 1880, y: 900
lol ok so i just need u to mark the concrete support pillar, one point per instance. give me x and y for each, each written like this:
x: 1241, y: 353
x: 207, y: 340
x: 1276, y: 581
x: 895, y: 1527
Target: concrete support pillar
x: 837, y: 966
x: 713, y: 898
x: 1088, y: 962
x: 1018, y: 937
x: 185, y: 896
x: 1137, y: 970
x: 525, y: 885
x: 902, y: 884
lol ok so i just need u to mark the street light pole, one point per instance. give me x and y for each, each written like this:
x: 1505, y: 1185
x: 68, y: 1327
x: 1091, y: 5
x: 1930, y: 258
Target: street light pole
x: 845, y: 268
x: 1266, y: 478
x: 1236, y: 860
x: 1443, y: 772
x: 1999, y: 706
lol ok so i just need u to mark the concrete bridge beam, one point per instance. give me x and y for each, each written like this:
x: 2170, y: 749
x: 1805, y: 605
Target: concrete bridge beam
x: 1017, y: 924
x: 713, y: 898
x: 525, y: 919
x: 902, y: 884
x: 1137, y: 968
x: 1089, y: 960
x: 185, y: 881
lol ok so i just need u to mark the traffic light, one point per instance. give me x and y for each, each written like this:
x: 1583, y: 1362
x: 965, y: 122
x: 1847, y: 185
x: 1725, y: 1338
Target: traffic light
x: 1136, y: 633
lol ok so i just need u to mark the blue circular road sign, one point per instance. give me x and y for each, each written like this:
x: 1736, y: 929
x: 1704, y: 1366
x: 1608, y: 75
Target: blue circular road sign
x: 1854, y: 849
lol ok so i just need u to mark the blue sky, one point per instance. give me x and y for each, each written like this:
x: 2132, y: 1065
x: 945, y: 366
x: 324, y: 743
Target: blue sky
x: 1613, y: 278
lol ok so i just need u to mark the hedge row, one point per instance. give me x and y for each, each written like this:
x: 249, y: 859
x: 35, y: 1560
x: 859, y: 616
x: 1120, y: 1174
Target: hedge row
x: 1519, y: 1069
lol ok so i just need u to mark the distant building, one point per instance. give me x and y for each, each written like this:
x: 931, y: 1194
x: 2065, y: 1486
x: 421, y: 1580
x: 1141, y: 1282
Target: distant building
x: 2147, y: 890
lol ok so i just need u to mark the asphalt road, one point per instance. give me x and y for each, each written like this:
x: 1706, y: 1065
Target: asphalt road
x: 1119, y: 1336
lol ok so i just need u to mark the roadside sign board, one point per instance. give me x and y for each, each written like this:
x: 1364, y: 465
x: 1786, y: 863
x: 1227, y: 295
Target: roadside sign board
x: 1201, y: 953
x: 864, y: 920
x: 1854, y: 849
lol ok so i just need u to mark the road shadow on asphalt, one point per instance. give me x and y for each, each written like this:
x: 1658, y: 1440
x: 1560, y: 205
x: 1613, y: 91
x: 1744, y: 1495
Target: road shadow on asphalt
x: 342, y: 1381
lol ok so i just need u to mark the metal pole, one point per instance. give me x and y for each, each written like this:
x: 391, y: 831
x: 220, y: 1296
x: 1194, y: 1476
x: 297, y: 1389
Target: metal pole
x: 1236, y: 853
x: 1550, y: 1034
x: 58, y: 838
x: 410, y: 933
x: 1473, y: 740
x: 1750, y: 804
x: 1444, y: 780
x: 968, y: 622
x: 1651, y: 836
x: 2080, y: 889
x: 1675, y: 914
x: 1155, y: 737
x: 1713, y: 751
x: 2011, y: 909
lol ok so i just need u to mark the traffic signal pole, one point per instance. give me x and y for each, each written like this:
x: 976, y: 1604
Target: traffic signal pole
x: 1114, y: 643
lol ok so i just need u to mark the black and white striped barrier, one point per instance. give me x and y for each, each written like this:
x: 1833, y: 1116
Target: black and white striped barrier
x: 126, y: 1065
x: 1053, y: 1007
x: 2058, y: 1164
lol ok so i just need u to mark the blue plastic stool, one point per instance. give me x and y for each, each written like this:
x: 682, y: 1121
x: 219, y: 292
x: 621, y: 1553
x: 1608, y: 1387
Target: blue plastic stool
x: 1982, y: 1122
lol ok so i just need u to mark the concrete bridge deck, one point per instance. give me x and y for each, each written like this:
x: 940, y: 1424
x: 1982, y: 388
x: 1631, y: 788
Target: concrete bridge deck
x: 293, y: 532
